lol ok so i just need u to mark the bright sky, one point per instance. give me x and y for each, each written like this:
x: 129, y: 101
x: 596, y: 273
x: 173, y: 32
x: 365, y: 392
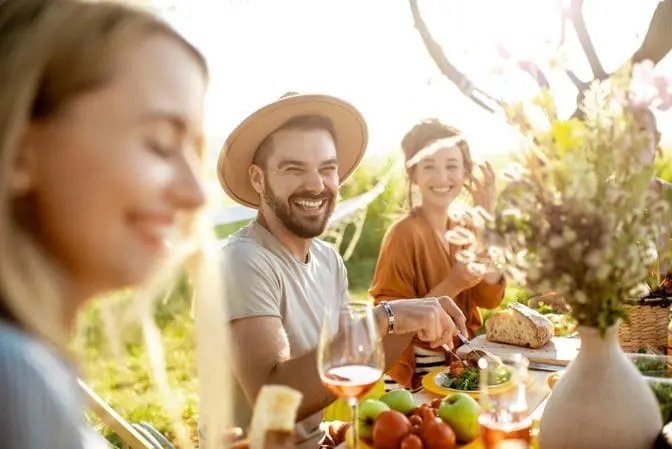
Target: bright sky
x: 368, y: 52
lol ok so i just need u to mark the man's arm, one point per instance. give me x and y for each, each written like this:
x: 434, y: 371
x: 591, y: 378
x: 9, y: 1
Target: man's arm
x: 393, y: 345
x: 269, y: 362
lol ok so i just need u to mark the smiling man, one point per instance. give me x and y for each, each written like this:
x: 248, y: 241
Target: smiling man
x: 288, y: 160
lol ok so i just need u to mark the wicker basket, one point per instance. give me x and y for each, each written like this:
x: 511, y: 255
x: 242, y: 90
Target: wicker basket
x: 648, y: 325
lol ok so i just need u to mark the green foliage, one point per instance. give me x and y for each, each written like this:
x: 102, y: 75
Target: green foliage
x: 663, y: 166
x: 227, y: 229
x: 381, y: 213
x: 126, y: 383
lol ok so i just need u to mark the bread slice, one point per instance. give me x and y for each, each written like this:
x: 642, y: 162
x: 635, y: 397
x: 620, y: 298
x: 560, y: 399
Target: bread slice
x: 520, y: 326
x: 274, y: 415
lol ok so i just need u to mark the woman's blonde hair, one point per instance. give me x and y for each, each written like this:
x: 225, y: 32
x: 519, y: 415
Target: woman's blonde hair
x: 52, y: 51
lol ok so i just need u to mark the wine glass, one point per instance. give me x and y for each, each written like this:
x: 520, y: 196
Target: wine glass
x: 350, y: 355
x: 504, y: 414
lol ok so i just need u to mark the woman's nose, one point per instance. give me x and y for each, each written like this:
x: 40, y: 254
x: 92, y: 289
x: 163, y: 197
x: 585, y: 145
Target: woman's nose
x: 443, y: 173
x: 187, y: 191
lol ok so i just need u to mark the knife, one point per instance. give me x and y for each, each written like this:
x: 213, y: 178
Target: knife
x: 465, y: 341
x: 546, y: 367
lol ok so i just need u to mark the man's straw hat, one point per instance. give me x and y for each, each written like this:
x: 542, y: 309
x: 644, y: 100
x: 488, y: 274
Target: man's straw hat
x: 237, y: 154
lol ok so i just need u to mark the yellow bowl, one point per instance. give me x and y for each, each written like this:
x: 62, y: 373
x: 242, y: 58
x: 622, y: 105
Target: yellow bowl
x: 430, y: 383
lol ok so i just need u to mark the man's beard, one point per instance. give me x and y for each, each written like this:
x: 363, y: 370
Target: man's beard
x: 304, y: 227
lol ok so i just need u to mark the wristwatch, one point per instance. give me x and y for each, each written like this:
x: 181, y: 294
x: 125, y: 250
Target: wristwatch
x: 390, y: 317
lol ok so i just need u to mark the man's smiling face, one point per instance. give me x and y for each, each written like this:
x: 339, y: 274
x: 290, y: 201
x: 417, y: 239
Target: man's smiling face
x: 301, y: 179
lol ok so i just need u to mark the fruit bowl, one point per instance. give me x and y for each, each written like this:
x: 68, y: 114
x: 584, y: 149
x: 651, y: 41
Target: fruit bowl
x: 397, y: 420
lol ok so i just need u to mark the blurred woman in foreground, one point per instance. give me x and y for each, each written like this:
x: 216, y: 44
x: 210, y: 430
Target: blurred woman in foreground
x: 100, y: 138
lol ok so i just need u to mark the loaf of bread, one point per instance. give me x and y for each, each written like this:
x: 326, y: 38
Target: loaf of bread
x: 520, y: 326
x: 274, y: 417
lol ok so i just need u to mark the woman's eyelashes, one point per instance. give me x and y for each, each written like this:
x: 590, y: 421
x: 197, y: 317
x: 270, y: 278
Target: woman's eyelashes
x: 449, y: 167
x: 163, y: 149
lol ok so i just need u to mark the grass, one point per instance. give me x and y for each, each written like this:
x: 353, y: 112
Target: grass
x: 125, y: 381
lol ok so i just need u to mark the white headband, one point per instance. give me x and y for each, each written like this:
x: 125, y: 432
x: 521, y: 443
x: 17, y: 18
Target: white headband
x: 448, y: 142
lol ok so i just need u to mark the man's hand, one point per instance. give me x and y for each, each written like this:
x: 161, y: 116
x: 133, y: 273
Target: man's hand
x: 455, y: 313
x: 426, y: 318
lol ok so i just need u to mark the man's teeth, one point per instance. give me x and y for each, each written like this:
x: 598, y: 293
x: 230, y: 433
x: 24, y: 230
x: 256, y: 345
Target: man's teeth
x: 309, y: 204
x: 442, y: 189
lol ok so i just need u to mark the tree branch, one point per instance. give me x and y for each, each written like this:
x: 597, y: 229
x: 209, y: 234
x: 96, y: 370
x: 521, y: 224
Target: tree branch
x: 451, y: 72
x: 656, y: 45
x: 564, y: 15
x: 580, y: 85
x: 576, y: 16
x: 527, y: 66
x: 658, y: 40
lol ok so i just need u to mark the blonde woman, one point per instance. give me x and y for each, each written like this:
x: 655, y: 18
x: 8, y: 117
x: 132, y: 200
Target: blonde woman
x: 100, y: 137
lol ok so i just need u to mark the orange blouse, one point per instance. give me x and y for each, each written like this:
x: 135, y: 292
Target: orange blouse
x: 412, y: 262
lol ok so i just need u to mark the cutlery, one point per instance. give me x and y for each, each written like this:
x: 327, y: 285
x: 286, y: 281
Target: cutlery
x: 446, y: 348
x: 546, y: 367
x: 466, y: 342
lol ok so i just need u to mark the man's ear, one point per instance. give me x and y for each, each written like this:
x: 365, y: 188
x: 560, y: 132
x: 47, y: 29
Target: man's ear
x: 256, y: 178
x: 22, y: 177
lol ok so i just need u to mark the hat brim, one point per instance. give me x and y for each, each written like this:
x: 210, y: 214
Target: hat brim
x: 237, y: 154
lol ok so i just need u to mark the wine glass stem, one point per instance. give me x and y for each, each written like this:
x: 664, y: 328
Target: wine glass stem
x: 355, y: 431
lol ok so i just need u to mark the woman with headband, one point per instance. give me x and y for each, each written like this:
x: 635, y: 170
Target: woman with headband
x: 416, y: 260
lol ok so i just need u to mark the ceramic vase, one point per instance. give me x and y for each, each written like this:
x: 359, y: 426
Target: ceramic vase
x: 601, y: 401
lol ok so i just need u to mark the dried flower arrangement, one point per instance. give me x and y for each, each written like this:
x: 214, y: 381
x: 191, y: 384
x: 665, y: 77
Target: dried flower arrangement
x: 577, y: 215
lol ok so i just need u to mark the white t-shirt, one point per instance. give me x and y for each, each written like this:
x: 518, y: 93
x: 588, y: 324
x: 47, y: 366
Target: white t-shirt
x: 262, y: 278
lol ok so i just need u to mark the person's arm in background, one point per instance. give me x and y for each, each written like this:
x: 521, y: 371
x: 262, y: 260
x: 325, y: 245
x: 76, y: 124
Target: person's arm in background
x: 489, y: 293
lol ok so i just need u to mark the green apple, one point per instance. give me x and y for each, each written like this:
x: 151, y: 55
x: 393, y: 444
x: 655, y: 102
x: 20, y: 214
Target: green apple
x: 461, y: 412
x: 400, y: 400
x: 367, y: 412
